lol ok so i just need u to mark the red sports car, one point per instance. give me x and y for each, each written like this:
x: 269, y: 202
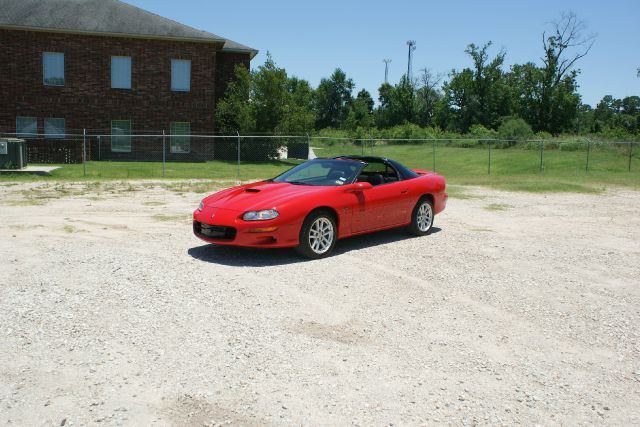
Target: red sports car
x: 314, y: 204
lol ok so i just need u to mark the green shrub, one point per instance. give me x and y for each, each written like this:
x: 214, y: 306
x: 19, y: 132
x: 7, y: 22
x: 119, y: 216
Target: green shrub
x: 544, y: 135
x: 482, y: 132
x: 513, y: 129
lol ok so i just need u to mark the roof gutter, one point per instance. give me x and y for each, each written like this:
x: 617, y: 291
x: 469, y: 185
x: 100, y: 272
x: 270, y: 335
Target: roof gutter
x: 252, y: 52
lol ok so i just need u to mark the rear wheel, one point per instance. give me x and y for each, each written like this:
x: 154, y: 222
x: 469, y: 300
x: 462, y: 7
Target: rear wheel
x: 422, y: 218
x: 317, y: 235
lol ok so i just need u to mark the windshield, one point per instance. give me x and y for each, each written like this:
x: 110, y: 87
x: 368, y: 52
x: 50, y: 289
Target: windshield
x: 322, y: 172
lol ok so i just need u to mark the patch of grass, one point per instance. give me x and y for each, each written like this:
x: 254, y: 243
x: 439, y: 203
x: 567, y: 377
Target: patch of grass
x: 26, y: 202
x: 25, y: 227
x: 195, y: 187
x: 459, y: 192
x: 512, y: 169
x: 71, y: 229
x: 483, y: 230
x: 497, y: 207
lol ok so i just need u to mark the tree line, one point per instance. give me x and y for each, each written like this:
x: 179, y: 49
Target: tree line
x: 484, y: 98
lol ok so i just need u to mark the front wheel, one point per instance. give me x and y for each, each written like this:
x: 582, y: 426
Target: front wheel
x: 317, y: 235
x: 422, y: 218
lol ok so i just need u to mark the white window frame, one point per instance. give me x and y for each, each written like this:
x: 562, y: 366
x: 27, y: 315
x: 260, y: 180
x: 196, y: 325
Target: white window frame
x: 44, y: 68
x: 115, y: 61
x: 176, y: 66
x: 56, y: 135
x: 26, y: 134
x: 180, y: 141
x: 118, y: 137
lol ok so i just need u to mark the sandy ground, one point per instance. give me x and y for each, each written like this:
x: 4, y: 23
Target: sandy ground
x: 519, y: 308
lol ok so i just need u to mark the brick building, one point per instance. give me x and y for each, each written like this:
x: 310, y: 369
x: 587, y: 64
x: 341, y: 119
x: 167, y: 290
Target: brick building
x: 110, y: 68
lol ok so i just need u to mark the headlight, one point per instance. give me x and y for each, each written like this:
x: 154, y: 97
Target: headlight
x: 200, y: 206
x: 260, y: 215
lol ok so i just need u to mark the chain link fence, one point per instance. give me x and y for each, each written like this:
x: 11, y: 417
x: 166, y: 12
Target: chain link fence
x: 95, y: 153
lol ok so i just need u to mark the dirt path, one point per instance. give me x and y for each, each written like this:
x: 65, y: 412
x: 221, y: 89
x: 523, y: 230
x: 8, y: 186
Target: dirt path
x: 519, y: 308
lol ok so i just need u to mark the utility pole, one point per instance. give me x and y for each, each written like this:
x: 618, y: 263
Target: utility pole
x: 386, y: 70
x: 412, y: 47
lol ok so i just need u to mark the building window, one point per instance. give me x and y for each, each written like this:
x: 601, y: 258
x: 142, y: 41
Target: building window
x: 121, y: 136
x: 54, y: 128
x: 53, y: 68
x: 180, y: 75
x: 26, y: 126
x: 121, y: 72
x: 180, y: 137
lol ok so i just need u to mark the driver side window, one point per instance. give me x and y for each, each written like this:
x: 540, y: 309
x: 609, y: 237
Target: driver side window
x: 378, y: 173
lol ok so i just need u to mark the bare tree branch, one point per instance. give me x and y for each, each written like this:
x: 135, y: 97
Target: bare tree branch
x: 567, y: 44
x: 429, y: 80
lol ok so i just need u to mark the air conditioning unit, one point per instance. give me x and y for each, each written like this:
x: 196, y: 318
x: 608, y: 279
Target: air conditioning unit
x: 13, y: 153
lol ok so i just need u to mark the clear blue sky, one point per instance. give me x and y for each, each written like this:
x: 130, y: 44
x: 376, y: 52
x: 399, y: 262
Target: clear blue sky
x: 311, y: 39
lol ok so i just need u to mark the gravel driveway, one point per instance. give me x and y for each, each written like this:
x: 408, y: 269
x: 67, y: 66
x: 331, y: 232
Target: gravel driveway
x: 519, y: 308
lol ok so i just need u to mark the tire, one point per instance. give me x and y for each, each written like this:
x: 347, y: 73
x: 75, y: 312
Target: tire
x: 318, y: 235
x: 422, y: 218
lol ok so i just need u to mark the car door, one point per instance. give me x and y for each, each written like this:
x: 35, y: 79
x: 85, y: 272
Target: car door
x: 384, y: 205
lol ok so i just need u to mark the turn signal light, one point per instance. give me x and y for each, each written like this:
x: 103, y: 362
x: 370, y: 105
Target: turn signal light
x: 262, y: 230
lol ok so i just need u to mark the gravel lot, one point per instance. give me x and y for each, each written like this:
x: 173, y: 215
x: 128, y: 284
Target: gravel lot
x: 519, y: 308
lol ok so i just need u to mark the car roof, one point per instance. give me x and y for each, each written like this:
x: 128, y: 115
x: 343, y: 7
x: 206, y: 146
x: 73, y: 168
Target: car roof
x: 365, y: 159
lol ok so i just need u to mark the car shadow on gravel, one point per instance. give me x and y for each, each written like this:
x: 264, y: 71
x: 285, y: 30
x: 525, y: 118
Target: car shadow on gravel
x: 234, y: 256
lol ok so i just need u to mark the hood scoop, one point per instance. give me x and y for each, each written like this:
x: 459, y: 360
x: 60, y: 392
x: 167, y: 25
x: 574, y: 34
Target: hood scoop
x: 251, y: 190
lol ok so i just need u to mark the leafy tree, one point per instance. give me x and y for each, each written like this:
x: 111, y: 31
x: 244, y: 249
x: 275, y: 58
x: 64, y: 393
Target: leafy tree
x: 479, y: 95
x: 360, y: 112
x: 585, y: 121
x: 269, y: 95
x: 298, y: 115
x: 427, y: 97
x: 365, y: 97
x: 234, y: 112
x: 613, y: 113
x: 382, y: 113
x: 631, y: 105
x: 332, y: 101
x: 266, y: 100
x: 397, y: 103
x: 558, y: 99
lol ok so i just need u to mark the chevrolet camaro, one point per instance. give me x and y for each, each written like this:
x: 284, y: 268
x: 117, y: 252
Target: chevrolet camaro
x: 312, y: 205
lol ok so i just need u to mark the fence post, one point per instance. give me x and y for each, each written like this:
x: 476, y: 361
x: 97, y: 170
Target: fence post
x: 588, y: 151
x: 371, y: 143
x: 84, y: 152
x: 99, y: 149
x: 489, y: 167
x: 164, y: 153
x: 433, y: 148
x: 308, y: 145
x: 541, y: 154
x: 238, y: 169
x: 630, y: 153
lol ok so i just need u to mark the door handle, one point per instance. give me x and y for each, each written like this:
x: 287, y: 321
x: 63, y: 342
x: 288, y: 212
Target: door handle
x: 404, y: 190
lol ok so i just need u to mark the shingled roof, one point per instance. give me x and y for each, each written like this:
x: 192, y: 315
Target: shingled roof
x: 104, y: 17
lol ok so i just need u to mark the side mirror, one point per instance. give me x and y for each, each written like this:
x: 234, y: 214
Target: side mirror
x: 359, y: 186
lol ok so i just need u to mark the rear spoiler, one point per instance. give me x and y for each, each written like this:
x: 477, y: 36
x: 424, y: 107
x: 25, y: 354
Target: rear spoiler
x: 422, y: 171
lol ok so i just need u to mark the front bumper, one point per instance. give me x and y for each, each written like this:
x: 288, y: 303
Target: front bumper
x: 226, y: 227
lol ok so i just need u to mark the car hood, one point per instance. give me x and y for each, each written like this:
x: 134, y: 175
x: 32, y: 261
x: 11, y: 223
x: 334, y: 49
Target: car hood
x: 260, y: 195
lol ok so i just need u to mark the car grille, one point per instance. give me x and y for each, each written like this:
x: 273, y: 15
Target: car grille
x: 214, y: 231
